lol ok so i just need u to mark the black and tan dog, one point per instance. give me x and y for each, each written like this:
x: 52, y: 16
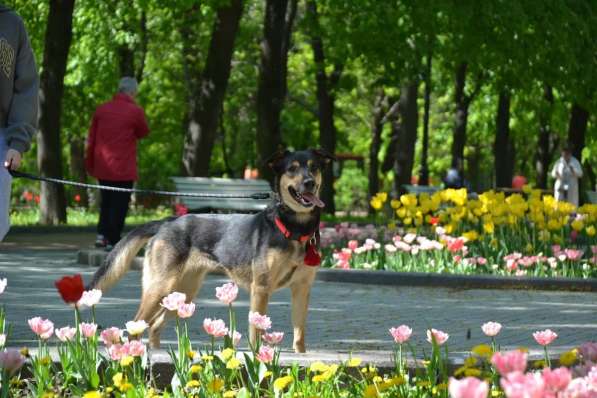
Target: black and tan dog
x: 261, y: 252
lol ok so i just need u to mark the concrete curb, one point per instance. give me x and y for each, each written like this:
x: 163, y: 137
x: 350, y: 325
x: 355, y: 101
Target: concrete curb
x: 95, y: 258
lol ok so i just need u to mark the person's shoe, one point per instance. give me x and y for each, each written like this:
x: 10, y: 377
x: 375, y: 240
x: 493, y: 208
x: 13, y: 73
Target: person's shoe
x: 100, y: 242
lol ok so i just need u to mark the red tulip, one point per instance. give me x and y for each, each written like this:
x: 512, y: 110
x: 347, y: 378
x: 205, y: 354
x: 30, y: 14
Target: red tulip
x: 77, y: 198
x: 71, y: 288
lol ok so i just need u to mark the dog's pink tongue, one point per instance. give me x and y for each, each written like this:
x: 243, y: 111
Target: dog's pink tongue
x: 313, y: 199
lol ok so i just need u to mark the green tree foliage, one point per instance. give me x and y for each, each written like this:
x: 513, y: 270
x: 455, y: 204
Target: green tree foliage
x: 541, y: 55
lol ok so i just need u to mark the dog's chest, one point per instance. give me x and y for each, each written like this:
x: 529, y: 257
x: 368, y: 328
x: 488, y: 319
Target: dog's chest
x: 285, y: 265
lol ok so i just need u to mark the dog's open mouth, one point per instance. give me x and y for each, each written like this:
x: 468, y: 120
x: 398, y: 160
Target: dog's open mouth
x: 306, y: 199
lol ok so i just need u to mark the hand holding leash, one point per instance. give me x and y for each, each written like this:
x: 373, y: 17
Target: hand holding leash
x: 13, y: 159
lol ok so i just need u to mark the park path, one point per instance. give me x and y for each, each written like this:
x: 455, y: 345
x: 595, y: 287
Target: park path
x: 343, y: 317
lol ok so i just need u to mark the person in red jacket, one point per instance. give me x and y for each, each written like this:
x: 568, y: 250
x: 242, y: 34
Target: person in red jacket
x: 112, y: 157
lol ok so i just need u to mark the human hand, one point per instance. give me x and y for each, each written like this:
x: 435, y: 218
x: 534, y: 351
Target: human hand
x: 13, y: 159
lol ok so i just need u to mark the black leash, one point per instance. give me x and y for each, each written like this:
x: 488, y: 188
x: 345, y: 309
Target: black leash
x: 256, y: 196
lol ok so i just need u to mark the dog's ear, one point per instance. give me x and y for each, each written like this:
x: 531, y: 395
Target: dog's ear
x: 276, y: 161
x: 323, y: 156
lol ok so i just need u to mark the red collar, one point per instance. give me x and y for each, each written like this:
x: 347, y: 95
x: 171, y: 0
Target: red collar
x: 287, y: 234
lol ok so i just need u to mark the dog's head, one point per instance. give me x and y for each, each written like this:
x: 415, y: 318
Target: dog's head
x: 298, y: 177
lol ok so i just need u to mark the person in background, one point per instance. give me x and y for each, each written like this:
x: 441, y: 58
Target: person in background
x: 19, y: 104
x: 454, y: 177
x: 111, y: 157
x: 566, y: 171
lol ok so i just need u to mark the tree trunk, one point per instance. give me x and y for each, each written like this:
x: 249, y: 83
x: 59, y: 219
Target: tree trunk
x: 424, y: 172
x: 77, y: 169
x: 49, y: 151
x: 326, y: 106
x: 577, y: 129
x: 393, y: 116
x: 271, y: 89
x: 207, y: 93
x: 376, y: 130
x: 461, y: 117
x: 545, y: 144
x: 502, y: 148
x: 407, y: 136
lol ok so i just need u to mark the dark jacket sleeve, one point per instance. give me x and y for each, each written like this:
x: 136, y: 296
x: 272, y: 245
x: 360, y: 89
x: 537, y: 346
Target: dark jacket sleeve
x: 22, y: 115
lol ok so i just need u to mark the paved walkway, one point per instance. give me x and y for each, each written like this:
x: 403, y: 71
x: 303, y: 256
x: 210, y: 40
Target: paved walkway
x: 342, y: 318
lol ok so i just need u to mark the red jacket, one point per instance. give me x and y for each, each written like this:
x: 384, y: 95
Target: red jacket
x: 112, y: 141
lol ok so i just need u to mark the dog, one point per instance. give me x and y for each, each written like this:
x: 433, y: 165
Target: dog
x: 261, y: 252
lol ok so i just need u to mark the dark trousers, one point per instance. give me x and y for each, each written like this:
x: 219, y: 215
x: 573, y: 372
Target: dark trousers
x: 113, y: 209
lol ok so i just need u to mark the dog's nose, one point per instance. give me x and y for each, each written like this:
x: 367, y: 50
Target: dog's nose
x: 309, y: 184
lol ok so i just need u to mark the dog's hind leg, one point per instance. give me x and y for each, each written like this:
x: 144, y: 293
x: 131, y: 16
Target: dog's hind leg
x: 160, y: 278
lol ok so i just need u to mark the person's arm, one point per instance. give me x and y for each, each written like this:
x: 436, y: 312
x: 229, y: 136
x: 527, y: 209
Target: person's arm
x: 142, y: 129
x: 89, y: 158
x: 576, y: 168
x: 22, y: 114
x: 554, y: 172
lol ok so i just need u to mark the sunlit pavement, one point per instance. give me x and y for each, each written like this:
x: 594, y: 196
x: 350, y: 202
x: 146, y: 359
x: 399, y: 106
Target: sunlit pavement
x: 343, y: 317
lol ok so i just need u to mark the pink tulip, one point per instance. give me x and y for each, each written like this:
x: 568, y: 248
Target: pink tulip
x: 3, y: 283
x: 44, y: 328
x: 66, y: 333
x: 273, y: 338
x: 136, y: 328
x: 227, y: 293
x: 544, y: 337
x: 508, y: 362
x: 409, y: 238
x: 11, y: 360
x: 401, y: 334
x: 353, y: 244
x: 556, y: 380
x: 573, y: 254
x: 186, y: 310
x: 134, y: 348
x: 215, y: 327
x: 174, y: 300
x: 469, y: 387
x: 491, y: 329
x: 116, y: 352
x: 262, y: 322
x: 236, y: 336
x: 520, y: 385
x: 111, y: 336
x: 90, y: 298
x: 578, y: 388
x: 390, y: 248
x: 88, y: 329
x: 437, y: 335
x: 265, y: 354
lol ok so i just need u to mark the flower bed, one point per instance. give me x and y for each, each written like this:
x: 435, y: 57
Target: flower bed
x: 448, y: 233
x: 115, y: 363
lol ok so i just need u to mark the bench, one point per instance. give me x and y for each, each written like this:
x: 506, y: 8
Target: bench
x: 419, y: 189
x: 225, y: 186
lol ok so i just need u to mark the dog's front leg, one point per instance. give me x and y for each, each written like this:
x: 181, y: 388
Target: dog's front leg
x: 300, y: 304
x: 259, y: 299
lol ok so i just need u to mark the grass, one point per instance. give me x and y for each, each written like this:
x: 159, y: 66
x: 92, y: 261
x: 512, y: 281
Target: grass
x: 80, y: 217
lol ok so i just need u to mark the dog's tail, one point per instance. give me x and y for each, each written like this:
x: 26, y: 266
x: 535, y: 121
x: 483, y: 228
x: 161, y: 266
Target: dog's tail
x: 119, y: 260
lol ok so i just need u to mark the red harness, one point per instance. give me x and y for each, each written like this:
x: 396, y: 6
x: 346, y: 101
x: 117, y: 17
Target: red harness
x: 312, y: 256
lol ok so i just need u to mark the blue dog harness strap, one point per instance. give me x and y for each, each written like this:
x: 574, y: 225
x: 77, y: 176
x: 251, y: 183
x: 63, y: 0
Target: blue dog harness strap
x: 312, y: 256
